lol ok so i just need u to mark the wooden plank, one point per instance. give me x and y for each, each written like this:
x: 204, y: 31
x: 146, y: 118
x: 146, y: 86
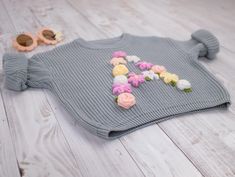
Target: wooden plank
x: 8, y: 162
x: 40, y: 146
x: 107, y: 159
x: 207, y: 162
x: 215, y: 16
x: 206, y: 140
x: 157, y: 155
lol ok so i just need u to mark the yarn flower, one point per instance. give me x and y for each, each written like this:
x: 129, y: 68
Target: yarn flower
x: 126, y: 100
x: 171, y: 79
x: 116, y: 61
x: 157, y: 69
x: 121, y: 79
x: 121, y: 88
x: 184, y: 85
x: 143, y: 65
x: 119, y: 54
x: 164, y: 74
x: 132, y: 58
x: 120, y: 70
x: 174, y: 79
x: 150, y: 75
x: 135, y: 79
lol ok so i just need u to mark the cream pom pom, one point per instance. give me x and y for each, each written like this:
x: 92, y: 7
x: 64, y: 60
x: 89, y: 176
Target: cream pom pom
x: 132, y: 58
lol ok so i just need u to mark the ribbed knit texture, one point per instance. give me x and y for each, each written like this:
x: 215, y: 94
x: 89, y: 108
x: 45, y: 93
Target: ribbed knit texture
x: 80, y: 75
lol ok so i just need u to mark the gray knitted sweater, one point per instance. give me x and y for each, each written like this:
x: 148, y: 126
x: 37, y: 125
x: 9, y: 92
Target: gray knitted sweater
x: 80, y: 75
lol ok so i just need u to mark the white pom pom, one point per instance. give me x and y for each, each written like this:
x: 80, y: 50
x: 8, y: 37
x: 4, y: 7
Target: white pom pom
x: 132, y: 58
x: 121, y: 79
x: 150, y: 75
x: 183, y: 84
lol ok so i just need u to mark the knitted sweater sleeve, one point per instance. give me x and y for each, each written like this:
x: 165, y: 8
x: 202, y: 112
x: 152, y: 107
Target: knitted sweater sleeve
x: 21, y: 72
x: 202, y: 43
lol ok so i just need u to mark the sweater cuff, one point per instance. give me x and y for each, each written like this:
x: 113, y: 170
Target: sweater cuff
x: 209, y: 40
x: 15, y: 68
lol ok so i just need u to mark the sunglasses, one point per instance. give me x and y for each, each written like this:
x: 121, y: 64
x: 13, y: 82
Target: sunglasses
x: 26, y: 42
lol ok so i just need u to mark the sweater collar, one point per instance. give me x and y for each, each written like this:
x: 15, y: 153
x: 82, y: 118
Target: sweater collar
x: 114, y: 42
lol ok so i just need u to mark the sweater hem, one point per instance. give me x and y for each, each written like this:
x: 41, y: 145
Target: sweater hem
x: 156, y: 116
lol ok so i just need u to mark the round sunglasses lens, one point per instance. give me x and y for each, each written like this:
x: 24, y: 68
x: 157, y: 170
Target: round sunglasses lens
x: 48, y: 34
x: 24, y: 40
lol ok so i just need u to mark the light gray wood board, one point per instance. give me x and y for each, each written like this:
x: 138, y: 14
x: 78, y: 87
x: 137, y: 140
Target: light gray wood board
x: 8, y: 162
x: 216, y: 16
x: 40, y: 146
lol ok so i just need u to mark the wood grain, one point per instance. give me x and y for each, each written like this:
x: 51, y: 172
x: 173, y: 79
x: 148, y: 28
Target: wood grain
x: 157, y: 155
x: 8, y: 163
x: 40, y: 146
x: 48, y: 142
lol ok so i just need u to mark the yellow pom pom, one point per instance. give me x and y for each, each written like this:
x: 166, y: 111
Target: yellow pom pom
x: 167, y: 80
x: 120, y: 70
x: 174, y: 78
x: 164, y: 74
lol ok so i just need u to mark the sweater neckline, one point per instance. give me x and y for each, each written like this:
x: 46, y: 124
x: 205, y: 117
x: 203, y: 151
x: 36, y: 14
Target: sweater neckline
x: 114, y: 42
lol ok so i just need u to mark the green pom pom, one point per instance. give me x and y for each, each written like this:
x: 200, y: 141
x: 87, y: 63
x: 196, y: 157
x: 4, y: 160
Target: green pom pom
x: 116, y: 99
x: 173, y: 83
x: 148, y: 78
x: 188, y: 90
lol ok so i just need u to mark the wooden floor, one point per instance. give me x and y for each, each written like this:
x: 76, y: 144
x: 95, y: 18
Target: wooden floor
x: 38, y: 138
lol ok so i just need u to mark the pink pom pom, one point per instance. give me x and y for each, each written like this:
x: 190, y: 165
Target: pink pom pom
x: 143, y: 65
x: 119, y: 54
x: 135, y: 80
x: 121, y: 88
